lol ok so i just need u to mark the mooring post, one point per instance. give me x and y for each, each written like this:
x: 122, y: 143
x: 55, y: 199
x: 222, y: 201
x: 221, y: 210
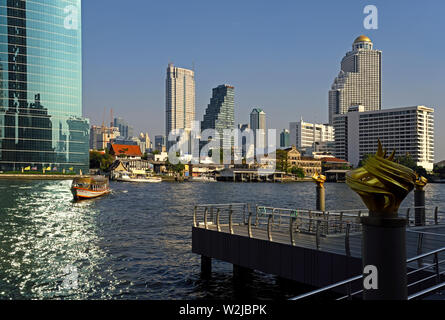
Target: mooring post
x: 321, y: 198
x: 320, y: 180
x: 419, y: 202
x: 384, y: 248
x: 206, y: 267
x: 384, y: 232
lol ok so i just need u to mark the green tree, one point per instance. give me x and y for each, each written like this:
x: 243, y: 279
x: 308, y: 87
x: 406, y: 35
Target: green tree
x: 297, y: 171
x: 282, y: 163
x: 175, y: 168
x: 407, y: 161
x: 439, y: 171
x: 95, y: 158
x: 100, y: 161
x: 421, y: 171
x: 363, y: 161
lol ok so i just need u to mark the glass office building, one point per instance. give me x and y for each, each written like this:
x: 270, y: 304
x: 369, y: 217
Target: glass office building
x: 41, y: 124
x: 220, y: 114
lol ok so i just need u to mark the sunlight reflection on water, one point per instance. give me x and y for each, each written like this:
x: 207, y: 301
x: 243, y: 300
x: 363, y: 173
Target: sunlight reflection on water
x: 134, y: 243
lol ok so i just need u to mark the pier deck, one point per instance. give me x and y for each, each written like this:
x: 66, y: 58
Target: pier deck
x: 313, y: 248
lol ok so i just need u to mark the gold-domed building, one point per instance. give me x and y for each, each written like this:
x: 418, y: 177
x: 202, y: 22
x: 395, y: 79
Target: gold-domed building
x: 362, y: 42
x: 359, y: 81
x: 362, y: 38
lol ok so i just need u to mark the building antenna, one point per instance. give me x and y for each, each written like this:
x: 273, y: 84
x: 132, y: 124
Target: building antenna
x: 103, y: 118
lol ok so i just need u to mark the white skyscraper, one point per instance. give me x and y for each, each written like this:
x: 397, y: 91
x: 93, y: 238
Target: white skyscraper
x: 180, y: 100
x: 359, y: 81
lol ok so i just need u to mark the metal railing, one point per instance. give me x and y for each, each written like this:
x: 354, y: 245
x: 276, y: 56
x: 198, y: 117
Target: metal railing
x: 433, y: 216
x: 284, y: 225
x: 429, y: 264
x: 220, y: 215
x: 310, y: 221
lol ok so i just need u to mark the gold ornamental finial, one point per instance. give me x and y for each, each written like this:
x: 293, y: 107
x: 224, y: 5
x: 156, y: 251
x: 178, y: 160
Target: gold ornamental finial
x: 421, y: 182
x: 382, y: 183
x: 319, y: 179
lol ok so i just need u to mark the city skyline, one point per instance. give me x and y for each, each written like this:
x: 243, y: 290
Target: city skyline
x: 413, y: 73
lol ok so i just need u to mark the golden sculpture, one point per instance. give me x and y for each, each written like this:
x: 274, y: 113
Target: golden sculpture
x: 319, y: 179
x: 421, y: 182
x: 382, y: 183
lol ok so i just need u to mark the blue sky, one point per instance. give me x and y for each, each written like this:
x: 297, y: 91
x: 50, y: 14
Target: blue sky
x: 280, y: 55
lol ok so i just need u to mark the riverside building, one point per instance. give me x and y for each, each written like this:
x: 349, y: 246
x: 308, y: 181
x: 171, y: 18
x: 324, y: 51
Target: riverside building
x: 41, y: 123
x: 305, y: 135
x: 408, y: 130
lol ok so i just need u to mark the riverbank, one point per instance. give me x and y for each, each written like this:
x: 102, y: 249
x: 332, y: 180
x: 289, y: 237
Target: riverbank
x: 38, y: 177
x: 187, y: 179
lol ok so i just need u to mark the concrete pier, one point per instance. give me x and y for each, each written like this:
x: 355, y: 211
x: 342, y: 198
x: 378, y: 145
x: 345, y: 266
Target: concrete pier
x: 316, y: 251
x: 303, y: 265
x: 206, y: 267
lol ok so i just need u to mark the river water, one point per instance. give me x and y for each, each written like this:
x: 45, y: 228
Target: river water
x: 136, y: 242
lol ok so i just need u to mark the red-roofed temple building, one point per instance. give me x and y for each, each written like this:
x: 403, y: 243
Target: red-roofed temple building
x: 125, y: 151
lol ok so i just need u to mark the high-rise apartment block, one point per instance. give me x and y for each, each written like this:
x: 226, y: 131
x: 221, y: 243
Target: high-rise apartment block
x: 304, y: 134
x: 409, y: 131
x: 359, y: 81
x: 180, y: 100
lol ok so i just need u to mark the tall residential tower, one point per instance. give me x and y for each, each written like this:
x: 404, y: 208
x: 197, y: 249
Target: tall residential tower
x: 359, y: 81
x: 180, y: 100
